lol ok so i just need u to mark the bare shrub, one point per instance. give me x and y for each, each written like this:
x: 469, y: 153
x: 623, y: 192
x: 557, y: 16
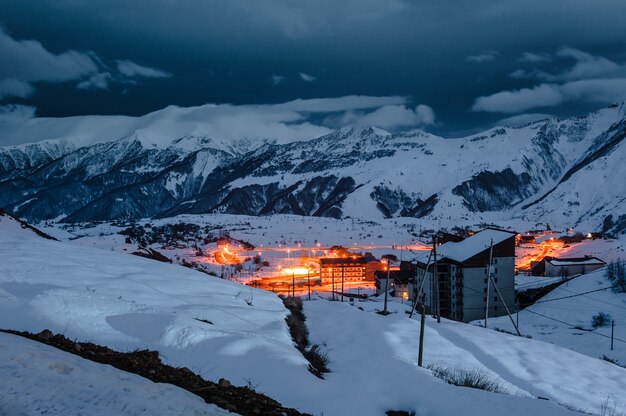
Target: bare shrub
x: 601, y: 320
x: 318, y: 361
x: 609, y: 408
x: 475, y: 379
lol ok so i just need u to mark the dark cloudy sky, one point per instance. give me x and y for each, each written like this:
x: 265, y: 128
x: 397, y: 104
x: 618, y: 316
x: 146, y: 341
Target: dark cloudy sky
x: 460, y: 65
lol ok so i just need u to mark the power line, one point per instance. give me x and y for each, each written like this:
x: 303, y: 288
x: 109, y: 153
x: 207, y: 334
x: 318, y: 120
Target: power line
x: 597, y: 300
x: 575, y: 295
x: 574, y: 326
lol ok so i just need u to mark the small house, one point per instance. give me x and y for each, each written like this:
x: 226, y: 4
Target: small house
x: 571, y: 266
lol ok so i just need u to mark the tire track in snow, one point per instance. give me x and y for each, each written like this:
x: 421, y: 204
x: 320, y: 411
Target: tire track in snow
x: 486, y: 360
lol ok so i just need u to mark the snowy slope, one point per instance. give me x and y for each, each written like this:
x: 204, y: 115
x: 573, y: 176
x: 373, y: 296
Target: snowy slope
x: 554, y: 319
x: 382, y: 351
x: 39, y: 379
x: 10, y: 224
x: 126, y: 302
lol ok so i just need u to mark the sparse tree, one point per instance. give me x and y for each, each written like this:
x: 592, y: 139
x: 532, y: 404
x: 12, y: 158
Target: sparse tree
x: 601, y: 320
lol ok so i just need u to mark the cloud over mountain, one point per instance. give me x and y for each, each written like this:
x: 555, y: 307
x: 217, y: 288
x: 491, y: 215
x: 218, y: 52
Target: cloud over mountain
x: 585, y: 78
x: 27, y: 62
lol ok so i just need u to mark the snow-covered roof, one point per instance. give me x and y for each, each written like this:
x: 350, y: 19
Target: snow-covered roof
x: 589, y: 261
x: 425, y: 255
x: 473, y: 245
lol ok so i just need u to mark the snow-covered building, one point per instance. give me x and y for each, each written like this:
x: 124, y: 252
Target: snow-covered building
x: 462, y: 273
x: 571, y: 266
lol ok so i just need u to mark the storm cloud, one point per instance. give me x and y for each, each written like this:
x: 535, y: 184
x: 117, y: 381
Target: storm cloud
x: 25, y: 62
x: 587, y: 78
x: 451, y: 56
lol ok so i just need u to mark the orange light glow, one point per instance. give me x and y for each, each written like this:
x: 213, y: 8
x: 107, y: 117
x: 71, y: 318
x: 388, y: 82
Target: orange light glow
x: 299, y: 271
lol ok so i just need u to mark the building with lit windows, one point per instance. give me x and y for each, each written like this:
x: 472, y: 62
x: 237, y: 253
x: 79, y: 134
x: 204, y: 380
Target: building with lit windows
x: 461, y: 281
x: 350, y: 268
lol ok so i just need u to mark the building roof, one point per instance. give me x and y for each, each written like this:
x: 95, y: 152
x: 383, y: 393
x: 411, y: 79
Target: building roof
x: 324, y: 261
x: 424, y: 255
x: 473, y: 245
x: 400, y: 276
x: 575, y: 261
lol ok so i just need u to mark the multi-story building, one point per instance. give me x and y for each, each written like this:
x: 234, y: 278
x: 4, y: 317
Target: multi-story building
x: 462, y: 276
x: 350, y: 268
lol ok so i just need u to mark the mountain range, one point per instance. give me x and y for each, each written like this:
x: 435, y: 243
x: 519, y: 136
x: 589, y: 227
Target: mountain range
x: 569, y: 173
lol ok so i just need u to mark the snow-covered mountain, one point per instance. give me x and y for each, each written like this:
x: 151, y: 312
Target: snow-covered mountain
x: 563, y: 172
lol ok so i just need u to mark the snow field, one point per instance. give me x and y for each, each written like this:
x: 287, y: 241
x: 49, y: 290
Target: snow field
x: 126, y: 302
x: 39, y: 379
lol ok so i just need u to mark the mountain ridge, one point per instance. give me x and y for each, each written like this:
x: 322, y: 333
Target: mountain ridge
x: 501, y: 173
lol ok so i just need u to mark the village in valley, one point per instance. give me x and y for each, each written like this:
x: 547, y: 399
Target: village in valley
x: 481, y: 272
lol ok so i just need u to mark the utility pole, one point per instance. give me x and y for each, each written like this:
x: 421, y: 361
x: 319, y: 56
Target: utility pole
x: 389, y: 258
x: 419, y: 289
x: 436, y: 277
x: 387, y: 287
x: 343, y: 267
x: 506, y: 307
x: 332, y: 274
x: 421, y: 347
x: 293, y: 283
x: 308, y: 278
x: 612, y: 332
x: 488, y: 282
x: 418, y: 295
